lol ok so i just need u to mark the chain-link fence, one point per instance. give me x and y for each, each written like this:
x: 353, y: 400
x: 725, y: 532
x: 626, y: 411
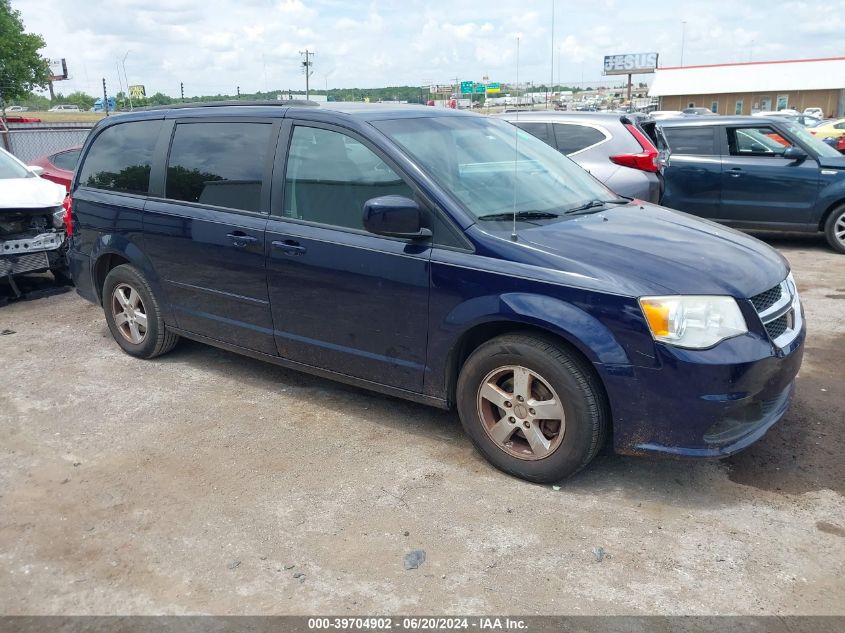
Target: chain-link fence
x: 29, y: 141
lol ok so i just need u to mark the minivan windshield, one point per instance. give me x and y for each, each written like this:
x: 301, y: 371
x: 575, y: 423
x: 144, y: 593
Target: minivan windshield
x: 494, y: 169
x: 10, y: 168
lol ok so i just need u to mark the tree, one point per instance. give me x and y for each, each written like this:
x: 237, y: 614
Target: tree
x: 22, y: 68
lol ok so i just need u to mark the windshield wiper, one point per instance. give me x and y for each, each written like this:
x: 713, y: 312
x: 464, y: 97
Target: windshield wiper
x: 594, y: 204
x: 520, y: 215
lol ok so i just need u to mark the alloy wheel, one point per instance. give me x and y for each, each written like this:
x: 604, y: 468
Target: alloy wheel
x: 521, y: 412
x: 130, y: 314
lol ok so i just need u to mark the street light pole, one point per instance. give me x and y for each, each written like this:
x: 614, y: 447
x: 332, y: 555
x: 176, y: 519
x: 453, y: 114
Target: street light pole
x: 128, y: 92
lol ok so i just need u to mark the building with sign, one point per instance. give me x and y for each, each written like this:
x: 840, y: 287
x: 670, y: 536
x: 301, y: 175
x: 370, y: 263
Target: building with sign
x: 750, y: 87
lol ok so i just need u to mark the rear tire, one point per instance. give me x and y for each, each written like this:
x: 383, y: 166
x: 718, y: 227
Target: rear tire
x: 532, y: 407
x: 834, y: 229
x: 134, y: 315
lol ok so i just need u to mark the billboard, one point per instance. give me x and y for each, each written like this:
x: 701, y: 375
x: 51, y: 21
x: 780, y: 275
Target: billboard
x: 630, y: 64
x: 58, y: 69
x: 137, y: 92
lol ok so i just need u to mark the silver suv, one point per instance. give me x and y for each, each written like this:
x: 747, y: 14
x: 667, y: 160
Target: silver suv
x: 627, y: 152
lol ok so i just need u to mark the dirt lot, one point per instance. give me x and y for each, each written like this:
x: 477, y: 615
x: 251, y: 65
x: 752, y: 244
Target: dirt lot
x: 208, y: 482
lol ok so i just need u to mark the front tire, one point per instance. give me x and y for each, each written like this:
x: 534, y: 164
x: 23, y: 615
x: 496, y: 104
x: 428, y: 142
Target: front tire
x: 532, y: 407
x: 134, y: 315
x: 834, y: 229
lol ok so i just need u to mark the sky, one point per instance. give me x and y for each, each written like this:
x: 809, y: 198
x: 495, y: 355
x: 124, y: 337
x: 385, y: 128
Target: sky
x: 213, y: 46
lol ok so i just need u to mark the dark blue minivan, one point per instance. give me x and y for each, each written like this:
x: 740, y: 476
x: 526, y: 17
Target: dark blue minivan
x: 439, y: 256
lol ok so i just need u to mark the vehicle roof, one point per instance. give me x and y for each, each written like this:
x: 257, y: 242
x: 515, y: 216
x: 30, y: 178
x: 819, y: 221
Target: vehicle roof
x: 695, y: 121
x: 270, y: 109
x: 557, y: 114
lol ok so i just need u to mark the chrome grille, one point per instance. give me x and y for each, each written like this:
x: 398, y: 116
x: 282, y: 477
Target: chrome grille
x: 780, y: 311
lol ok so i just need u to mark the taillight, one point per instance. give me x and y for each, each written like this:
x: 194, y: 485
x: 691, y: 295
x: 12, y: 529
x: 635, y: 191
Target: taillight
x: 67, y: 205
x: 646, y: 160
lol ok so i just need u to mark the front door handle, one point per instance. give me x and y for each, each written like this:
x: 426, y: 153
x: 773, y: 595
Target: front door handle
x: 735, y: 172
x: 242, y: 240
x: 290, y: 247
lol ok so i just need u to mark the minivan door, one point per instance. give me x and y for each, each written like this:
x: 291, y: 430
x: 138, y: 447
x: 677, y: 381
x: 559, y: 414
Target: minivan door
x: 759, y: 186
x: 204, y: 231
x: 343, y: 299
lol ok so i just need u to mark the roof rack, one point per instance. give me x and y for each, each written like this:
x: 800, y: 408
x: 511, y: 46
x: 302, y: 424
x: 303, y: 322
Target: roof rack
x: 234, y: 102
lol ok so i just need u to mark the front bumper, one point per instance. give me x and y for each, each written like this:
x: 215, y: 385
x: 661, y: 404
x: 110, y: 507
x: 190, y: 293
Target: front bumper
x: 709, y: 403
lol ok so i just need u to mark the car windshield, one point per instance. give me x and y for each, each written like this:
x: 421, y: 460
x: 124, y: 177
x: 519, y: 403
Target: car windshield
x: 813, y: 142
x: 493, y: 168
x: 10, y: 168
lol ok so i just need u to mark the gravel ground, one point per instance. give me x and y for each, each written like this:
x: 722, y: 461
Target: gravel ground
x: 206, y: 482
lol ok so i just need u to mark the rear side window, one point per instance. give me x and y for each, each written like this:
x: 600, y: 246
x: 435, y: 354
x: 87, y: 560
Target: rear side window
x: 542, y: 131
x: 571, y: 138
x: 218, y: 164
x: 120, y: 158
x: 66, y: 160
x: 696, y: 141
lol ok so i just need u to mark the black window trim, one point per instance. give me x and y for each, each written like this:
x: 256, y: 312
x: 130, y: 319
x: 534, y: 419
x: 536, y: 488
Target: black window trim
x: 280, y: 168
x: 158, y: 177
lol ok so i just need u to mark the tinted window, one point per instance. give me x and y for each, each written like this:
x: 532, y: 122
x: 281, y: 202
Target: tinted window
x: 66, y: 160
x: 541, y: 130
x: 218, y: 164
x: 331, y: 175
x: 572, y: 138
x: 120, y: 158
x: 756, y: 141
x: 698, y: 141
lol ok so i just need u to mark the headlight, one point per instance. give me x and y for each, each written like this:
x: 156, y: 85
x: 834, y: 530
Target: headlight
x: 693, y: 321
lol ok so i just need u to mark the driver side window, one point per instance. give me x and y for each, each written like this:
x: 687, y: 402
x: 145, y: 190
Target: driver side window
x: 756, y: 141
x: 330, y: 176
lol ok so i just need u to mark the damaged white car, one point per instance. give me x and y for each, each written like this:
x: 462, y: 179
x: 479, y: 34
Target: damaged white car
x: 32, y: 232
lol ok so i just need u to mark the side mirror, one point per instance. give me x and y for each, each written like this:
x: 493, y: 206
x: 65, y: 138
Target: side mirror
x: 36, y: 169
x: 394, y: 216
x: 794, y: 153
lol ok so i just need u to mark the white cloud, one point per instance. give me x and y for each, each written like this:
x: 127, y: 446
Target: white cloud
x: 214, y: 45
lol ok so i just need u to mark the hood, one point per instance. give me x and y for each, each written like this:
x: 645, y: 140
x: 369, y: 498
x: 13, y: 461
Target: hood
x: 832, y: 162
x: 641, y: 248
x: 30, y: 193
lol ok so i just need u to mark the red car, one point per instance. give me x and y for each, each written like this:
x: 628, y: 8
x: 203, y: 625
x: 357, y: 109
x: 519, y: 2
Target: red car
x: 59, y: 167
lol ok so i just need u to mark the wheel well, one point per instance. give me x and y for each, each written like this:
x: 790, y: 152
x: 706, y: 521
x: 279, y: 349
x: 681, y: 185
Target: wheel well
x: 480, y: 334
x: 828, y: 212
x: 102, y: 267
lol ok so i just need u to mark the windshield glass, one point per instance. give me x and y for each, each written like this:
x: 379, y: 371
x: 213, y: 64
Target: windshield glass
x: 492, y: 167
x: 813, y: 142
x: 10, y: 168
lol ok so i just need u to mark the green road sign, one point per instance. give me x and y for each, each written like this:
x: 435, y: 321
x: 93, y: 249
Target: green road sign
x: 466, y: 87
x: 479, y: 89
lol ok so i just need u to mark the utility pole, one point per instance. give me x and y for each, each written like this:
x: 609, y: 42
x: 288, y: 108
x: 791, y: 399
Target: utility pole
x: 239, y: 92
x: 105, y: 97
x: 552, y: 74
x: 182, y: 89
x: 306, y: 69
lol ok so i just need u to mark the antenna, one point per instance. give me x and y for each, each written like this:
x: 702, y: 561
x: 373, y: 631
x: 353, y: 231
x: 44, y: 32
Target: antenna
x: 515, y: 146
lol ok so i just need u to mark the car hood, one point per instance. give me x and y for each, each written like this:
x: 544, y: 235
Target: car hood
x: 832, y: 162
x: 641, y: 248
x: 29, y: 193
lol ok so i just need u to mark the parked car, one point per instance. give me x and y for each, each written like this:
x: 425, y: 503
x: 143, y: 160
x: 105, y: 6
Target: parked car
x: 59, y: 166
x: 16, y: 108
x: 65, y: 107
x: 837, y: 143
x: 801, y: 119
x: 830, y: 129
x: 664, y: 114
x: 626, y: 152
x: 816, y: 112
x: 756, y: 173
x: 32, y: 237
x: 698, y: 112
x: 440, y: 256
